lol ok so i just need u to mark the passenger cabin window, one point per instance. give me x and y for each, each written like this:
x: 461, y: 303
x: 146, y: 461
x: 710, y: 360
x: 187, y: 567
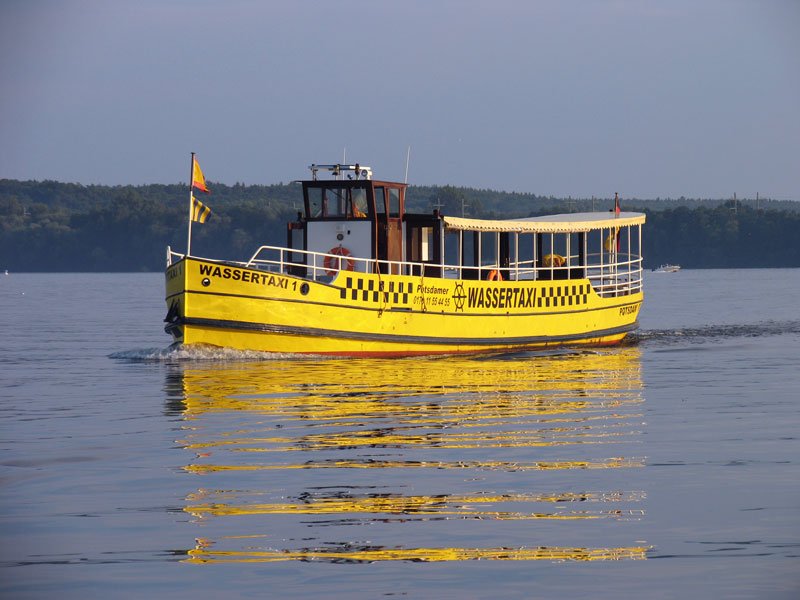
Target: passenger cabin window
x: 421, y: 244
x: 426, y: 243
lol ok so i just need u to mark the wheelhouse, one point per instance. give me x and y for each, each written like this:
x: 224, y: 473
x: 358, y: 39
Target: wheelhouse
x: 360, y: 216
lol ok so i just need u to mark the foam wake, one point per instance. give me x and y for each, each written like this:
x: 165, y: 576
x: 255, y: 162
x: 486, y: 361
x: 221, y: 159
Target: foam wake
x: 716, y: 332
x: 181, y: 353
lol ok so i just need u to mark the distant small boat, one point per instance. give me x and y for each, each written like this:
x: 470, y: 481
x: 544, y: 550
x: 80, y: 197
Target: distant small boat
x: 667, y: 269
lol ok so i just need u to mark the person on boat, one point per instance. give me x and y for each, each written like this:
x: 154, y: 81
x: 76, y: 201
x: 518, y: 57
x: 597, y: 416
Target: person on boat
x: 553, y: 260
x: 611, y: 242
x: 359, y: 203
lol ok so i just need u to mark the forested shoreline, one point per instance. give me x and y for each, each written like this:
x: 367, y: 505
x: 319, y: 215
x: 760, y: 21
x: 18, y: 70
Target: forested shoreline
x: 50, y: 226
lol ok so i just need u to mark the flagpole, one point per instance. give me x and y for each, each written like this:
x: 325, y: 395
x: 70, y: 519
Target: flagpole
x: 189, y: 235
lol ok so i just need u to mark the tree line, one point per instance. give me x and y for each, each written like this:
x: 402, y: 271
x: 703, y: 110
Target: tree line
x: 62, y: 227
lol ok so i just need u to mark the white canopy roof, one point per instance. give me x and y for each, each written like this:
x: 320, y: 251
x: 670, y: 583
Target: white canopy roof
x: 566, y: 223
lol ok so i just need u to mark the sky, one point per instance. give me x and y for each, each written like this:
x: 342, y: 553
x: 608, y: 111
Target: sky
x: 580, y: 98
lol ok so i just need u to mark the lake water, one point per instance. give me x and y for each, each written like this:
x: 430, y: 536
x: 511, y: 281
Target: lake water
x: 667, y: 468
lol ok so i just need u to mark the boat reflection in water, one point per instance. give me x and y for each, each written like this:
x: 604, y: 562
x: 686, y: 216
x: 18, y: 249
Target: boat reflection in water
x: 526, y: 457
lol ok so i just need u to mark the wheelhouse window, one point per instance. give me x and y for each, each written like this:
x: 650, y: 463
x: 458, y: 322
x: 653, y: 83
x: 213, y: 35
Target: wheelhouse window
x: 359, y: 203
x: 394, y: 203
x: 380, y: 200
x: 316, y: 202
x: 337, y: 202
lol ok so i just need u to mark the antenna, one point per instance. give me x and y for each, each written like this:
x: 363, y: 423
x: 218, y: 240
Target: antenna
x: 408, y: 158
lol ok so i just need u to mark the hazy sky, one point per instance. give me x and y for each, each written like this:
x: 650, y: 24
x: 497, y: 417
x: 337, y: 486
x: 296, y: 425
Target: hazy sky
x: 669, y: 98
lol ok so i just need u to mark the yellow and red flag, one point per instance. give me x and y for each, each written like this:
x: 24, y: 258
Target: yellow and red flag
x: 198, y: 181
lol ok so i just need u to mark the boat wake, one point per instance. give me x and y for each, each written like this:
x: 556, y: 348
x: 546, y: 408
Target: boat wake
x: 179, y: 353
x: 699, y: 335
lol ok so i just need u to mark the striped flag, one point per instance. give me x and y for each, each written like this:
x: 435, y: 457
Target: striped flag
x: 200, y: 211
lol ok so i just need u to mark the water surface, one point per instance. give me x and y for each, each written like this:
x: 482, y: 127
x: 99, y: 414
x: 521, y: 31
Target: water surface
x: 665, y: 468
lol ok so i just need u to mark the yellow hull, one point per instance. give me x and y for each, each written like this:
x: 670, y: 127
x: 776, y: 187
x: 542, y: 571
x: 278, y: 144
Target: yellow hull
x: 359, y: 314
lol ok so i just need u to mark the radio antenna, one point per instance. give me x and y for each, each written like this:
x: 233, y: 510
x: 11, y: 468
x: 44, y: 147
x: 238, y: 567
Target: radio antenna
x: 408, y: 158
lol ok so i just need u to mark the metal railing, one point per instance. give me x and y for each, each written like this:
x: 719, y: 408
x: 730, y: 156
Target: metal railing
x: 618, y: 274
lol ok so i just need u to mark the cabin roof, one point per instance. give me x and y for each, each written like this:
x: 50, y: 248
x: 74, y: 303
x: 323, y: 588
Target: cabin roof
x: 566, y: 223
x: 356, y: 183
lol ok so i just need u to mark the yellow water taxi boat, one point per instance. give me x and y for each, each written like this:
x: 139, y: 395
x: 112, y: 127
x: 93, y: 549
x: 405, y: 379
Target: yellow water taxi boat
x: 360, y: 276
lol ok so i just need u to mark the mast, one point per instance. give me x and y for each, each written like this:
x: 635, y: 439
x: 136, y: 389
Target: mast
x: 191, y: 198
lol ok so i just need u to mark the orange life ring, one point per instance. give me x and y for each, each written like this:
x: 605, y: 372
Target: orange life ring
x: 333, y: 265
x: 495, y: 274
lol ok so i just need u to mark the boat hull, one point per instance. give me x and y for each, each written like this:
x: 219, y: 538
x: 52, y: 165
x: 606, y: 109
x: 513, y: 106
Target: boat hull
x: 360, y: 314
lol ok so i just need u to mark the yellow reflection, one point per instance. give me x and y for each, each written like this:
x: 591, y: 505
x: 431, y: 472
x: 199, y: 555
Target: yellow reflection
x: 204, y: 555
x: 497, y: 419
x: 449, y: 505
x: 453, y: 403
x: 611, y: 463
x: 355, y: 390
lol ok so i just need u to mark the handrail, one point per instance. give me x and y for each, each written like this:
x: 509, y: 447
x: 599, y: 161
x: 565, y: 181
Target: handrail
x: 608, y: 279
